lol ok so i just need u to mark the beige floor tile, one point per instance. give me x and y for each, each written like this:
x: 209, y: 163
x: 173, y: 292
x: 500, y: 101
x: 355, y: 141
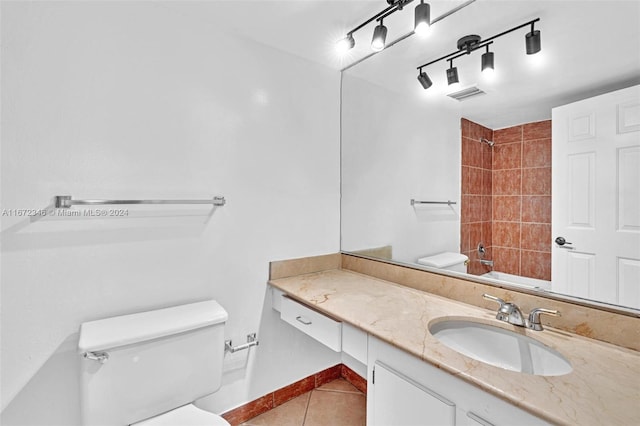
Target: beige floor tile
x: 291, y: 413
x: 339, y: 385
x: 336, y: 409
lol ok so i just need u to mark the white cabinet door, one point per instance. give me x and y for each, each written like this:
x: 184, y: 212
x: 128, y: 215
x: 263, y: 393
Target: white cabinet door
x: 399, y: 401
x: 596, y: 198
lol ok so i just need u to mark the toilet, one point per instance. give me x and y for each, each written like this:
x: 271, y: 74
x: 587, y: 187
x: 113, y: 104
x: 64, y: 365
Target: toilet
x: 448, y: 261
x: 148, y: 368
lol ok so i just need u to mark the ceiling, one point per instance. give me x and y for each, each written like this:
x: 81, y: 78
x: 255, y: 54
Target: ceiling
x: 588, y: 47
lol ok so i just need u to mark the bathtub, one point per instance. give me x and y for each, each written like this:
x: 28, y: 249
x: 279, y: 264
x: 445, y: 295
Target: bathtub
x: 527, y: 282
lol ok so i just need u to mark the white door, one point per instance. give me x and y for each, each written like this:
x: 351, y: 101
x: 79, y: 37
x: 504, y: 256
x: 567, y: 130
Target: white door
x: 596, y: 198
x: 399, y: 401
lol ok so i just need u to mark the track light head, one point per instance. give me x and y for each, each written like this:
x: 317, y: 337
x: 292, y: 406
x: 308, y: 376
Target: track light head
x: 345, y: 44
x: 422, y: 21
x: 532, y: 40
x: 452, y: 74
x: 379, y: 37
x: 424, y: 79
x: 487, y: 62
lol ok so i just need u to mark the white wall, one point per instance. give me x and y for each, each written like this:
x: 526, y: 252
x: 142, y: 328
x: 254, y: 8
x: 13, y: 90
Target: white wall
x: 395, y: 148
x: 149, y: 100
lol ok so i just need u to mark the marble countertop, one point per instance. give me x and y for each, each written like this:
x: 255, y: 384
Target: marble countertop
x: 603, y: 388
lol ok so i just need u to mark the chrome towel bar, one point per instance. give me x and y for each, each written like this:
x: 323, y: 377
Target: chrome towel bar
x: 65, y: 202
x: 449, y: 203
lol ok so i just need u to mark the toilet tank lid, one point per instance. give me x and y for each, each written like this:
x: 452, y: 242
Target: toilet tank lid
x: 443, y: 260
x: 123, y: 330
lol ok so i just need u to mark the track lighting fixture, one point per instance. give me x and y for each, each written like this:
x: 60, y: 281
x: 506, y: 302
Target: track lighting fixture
x: 487, y: 61
x: 470, y: 43
x: 424, y: 79
x: 422, y: 21
x: 452, y: 74
x: 532, y: 40
x: 379, y: 37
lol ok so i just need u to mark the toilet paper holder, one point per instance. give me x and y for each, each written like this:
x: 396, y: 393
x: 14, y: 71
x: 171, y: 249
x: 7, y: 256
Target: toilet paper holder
x: 252, y: 340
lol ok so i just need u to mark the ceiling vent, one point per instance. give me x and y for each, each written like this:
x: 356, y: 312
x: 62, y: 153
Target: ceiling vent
x: 466, y: 93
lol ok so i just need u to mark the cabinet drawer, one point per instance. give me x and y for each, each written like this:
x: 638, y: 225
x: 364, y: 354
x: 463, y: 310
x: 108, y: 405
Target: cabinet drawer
x: 319, y: 326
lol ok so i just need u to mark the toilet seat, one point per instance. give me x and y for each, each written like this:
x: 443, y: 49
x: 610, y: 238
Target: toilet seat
x: 187, y: 415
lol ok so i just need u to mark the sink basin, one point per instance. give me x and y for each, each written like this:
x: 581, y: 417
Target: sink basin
x: 501, y: 348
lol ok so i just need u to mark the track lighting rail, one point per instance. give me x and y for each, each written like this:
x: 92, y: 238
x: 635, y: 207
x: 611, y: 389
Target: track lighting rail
x: 368, y: 21
x: 397, y: 6
x: 403, y: 37
x: 381, y: 15
x: 461, y: 52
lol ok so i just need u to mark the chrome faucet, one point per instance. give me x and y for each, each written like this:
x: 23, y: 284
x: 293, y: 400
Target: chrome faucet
x: 511, y: 313
x: 507, y: 312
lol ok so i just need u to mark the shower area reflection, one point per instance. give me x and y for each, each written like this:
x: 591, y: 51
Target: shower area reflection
x: 506, y: 202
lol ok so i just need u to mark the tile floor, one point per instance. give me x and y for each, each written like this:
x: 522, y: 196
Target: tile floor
x: 337, y: 403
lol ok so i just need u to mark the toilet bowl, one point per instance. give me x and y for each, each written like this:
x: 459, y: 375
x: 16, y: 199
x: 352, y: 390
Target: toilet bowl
x: 447, y: 260
x: 187, y: 415
x: 148, y: 368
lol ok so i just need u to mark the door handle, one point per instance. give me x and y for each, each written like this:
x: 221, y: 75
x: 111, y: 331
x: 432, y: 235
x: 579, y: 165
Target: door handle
x: 562, y: 243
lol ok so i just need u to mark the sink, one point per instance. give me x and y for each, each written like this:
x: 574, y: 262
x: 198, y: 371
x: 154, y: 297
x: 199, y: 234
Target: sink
x: 499, y: 347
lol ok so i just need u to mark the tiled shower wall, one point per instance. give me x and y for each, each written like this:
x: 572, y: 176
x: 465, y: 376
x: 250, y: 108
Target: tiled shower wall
x: 476, y: 212
x: 506, y: 198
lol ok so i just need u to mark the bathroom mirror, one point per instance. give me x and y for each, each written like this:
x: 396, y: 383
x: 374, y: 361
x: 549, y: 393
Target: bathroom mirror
x: 402, y: 143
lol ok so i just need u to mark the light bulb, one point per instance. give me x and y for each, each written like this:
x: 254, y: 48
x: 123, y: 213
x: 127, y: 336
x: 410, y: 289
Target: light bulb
x: 345, y: 44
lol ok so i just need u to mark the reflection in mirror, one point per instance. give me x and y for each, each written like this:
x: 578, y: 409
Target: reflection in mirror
x: 466, y: 185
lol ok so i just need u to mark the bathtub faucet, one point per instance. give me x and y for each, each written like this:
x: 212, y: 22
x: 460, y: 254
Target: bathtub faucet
x: 487, y: 262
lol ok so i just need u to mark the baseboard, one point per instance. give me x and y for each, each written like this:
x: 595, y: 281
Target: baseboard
x: 267, y: 402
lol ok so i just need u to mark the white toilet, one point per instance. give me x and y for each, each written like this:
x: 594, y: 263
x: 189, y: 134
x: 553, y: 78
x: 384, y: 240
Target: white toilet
x: 148, y: 368
x: 448, y: 261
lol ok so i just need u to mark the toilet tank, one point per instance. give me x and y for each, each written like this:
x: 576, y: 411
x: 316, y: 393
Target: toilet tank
x: 448, y: 261
x: 157, y: 360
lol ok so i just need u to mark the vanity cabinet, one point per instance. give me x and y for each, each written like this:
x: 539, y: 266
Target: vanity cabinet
x: 406, y: 391
x: 403, y: 390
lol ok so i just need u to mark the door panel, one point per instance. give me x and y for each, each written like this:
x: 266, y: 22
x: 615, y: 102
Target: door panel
x: 581, y: 188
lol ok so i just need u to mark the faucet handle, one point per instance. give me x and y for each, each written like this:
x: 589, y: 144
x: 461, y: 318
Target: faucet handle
x: 534, y: 317
x: 494, y: 299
